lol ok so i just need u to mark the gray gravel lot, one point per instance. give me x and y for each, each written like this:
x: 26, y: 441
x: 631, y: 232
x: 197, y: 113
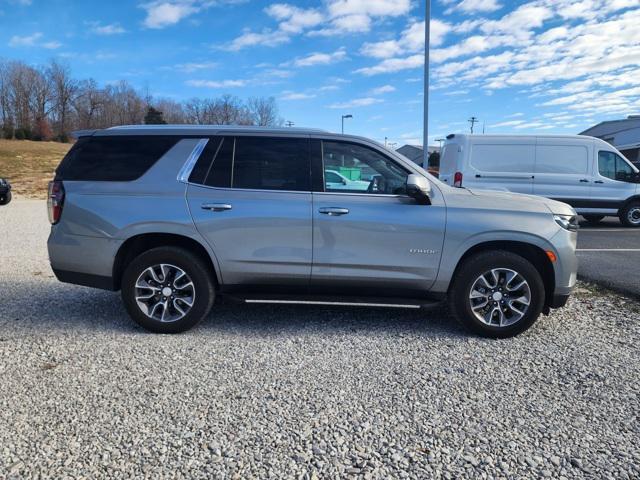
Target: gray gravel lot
x: 304, y: 392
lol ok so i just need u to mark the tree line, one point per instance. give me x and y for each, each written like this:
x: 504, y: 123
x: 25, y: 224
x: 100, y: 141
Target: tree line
x: 48, y: 103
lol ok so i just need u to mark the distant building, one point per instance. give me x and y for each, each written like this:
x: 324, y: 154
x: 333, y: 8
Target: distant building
x: 415, y: 152
x: 622, y: 134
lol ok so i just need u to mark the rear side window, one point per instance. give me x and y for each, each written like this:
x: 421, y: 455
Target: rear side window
x: 215, y: 163
x: 567, y: 159
x: 503, y: 158
x: 113, y: 158
x: 272, y: 164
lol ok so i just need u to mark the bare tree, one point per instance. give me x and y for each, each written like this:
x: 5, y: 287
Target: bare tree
x: 64, y: 90
x: 264, y: 111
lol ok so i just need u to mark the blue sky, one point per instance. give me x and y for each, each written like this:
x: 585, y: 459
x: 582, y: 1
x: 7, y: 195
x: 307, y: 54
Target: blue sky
x: 552, y: 66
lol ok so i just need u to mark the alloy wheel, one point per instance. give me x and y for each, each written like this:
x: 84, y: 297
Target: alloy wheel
x: 165, y: 293
x: 500, y: 297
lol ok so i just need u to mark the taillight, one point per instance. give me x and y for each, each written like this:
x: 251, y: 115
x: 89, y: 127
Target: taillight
x: 55, y: 201
x: 457, y: 179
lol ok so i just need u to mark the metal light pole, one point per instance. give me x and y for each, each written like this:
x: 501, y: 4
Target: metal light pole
x: 427, y: 32
x: 343, y: 117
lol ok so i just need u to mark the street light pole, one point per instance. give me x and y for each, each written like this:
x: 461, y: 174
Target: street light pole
x: 427, y: 32
x: 343, y: 117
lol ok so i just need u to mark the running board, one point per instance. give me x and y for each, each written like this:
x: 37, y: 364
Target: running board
x: 371, y: 302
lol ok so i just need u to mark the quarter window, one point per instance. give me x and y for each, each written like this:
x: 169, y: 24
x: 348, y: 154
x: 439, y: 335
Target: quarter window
x: 614, y: 167
x: 362, y: 169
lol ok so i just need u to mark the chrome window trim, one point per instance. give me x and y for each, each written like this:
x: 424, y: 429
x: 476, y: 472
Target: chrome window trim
x: 231, y: 189
x: 187, y: 168
x: 375, y: 195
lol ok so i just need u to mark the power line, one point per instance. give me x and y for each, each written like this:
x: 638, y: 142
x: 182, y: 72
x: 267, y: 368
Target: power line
x: 289, y: 123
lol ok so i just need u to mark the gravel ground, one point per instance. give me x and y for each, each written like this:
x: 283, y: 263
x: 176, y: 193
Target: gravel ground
x: 299, y: 392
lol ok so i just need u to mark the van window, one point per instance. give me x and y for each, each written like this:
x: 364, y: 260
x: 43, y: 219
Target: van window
x: 614, y: 167
x: 266, y: 163
x: 113, y: 158
x: 503, y: 158
x: 364, y: 170
x: 565, y: 159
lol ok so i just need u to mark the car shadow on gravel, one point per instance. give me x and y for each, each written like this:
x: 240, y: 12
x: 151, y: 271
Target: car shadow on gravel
x: 49, y: 305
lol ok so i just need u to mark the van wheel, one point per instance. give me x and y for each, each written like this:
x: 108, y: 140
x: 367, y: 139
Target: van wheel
x: 630, y: 214
x: 6, y: 199
x: 593, y: 219
x: 167, y: 290
x: 497, y: 294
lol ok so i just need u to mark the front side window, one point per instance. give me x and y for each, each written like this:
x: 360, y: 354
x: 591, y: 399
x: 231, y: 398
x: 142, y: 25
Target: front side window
x: 357, y: 169
x: 265, y: 163
x: 615, y: 167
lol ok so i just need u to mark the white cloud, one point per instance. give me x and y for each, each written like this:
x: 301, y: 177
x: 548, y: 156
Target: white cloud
x: 391, y: 65
x: 25, y: 41
x: 382, y: 89
x: 411, y: 40
x: 51, y: 45
x: 109, y: 29
x: 358, y: 102
x: 217, y: 83
x: 163, y: 13
x: 510, y: 123
x: 473, y: 6
x: 296, y: 96
x: 320, y: 58
x: 195, y: 66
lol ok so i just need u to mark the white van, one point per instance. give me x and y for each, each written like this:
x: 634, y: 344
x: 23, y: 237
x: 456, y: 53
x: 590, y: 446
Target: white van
x: 587, y: 173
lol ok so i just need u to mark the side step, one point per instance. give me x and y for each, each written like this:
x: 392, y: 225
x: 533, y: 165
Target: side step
x: 341, y: 301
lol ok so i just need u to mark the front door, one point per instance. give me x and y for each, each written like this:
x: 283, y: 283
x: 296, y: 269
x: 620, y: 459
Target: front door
x: 373, y: 237
x: 613, y: 181
x: 250, y: 199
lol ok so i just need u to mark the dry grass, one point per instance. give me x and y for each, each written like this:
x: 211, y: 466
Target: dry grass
x: 29, y: 166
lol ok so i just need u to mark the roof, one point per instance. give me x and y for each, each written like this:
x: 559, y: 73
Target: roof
x: 611, y: 127
x: 507, y: 135
x: 193, y: 130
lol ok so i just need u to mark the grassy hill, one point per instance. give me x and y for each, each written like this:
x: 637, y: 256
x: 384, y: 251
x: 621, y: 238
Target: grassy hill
x: 29, y: 166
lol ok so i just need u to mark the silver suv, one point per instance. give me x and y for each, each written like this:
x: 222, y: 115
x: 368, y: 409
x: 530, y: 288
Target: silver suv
x: 178, y: 216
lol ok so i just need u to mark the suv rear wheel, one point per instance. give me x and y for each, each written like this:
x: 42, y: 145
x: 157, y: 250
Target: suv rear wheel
x: 630, y: 214
x: 497, y: 294
x: 167, y: 290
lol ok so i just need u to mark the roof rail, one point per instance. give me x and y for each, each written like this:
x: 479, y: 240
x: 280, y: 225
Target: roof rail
x: 83, y: 133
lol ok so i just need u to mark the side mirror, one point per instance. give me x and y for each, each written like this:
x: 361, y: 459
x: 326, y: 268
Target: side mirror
x: 418, y: 187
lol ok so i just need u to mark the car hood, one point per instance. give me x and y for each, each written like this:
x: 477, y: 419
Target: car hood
x: 520, y: 201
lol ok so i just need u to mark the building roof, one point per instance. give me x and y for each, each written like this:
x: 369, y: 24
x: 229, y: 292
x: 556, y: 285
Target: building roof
x: 611, y: 127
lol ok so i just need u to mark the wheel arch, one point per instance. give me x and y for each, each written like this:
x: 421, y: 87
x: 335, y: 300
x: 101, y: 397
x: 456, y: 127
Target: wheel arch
x: 533, y: 253
x: 634, y: 198
x: 138, y: 244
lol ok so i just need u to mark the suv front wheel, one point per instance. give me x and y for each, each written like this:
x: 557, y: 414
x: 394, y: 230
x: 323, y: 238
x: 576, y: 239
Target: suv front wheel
x: 497, y: 294
x: 167, y: 290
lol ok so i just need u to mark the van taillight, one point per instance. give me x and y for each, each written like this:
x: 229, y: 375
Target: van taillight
x: 457, y: 179
x: 55, y: 201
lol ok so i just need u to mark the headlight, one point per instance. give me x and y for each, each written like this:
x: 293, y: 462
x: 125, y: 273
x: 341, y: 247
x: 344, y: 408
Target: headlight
x: 568, y: 222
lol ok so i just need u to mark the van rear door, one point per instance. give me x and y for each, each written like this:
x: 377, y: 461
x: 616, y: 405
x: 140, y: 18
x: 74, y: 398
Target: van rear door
x: 562, y: 170
x: 495, y: 164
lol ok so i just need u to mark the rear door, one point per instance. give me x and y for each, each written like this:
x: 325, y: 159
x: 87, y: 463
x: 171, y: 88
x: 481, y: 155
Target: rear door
x: 378, y: 239
x: 501, y: 165
x: 562, y: 170
x: 250, y: 197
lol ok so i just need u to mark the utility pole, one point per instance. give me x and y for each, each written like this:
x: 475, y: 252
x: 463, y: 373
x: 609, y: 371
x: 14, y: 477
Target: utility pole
x: 473, y: 121
x: 385, y: 141
x: 427, y: 32
x: 440, y: 140
x: 343, y: 117
x: 289, y: 123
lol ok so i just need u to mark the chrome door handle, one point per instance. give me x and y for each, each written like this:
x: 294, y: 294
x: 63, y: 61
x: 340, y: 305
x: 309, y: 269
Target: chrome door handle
x: 216, y: 207
x: 598, y: 181
x: 334, y: 211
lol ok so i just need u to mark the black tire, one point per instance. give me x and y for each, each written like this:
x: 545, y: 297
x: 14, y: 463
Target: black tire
x: 192, y: 265
x: 630, y: 214
x: 475, y: 266
x: 593, y: 219
x: 5, y: 199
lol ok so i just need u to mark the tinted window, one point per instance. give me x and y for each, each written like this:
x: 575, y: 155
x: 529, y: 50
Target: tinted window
x: 214, y: 165
x: 365, y: 170
x: 272, y: 164
x: 614, y: 167
x: 219, y: 174
x: 115, y: 159
x: 562, y: 159
x: 202, y: 166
